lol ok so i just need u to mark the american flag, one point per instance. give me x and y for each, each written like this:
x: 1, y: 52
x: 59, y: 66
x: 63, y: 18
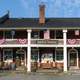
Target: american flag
x: 46, y: 34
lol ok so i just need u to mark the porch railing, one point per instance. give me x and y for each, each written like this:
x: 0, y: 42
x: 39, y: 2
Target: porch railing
x: 33, y: 41
x: 40, y: 41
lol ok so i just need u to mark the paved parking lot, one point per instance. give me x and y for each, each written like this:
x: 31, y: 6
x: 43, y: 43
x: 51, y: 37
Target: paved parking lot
x: 39, y: 76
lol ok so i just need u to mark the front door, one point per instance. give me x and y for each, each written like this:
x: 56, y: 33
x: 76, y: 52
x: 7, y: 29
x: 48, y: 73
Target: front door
x: 20, y: 57
x: 73, y: 58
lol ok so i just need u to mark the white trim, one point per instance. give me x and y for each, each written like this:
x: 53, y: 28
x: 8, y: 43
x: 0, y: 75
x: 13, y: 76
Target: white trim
x: 36, y: 45
x: 14, y: 45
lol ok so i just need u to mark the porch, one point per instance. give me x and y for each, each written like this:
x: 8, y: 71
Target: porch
x: 42, y: 58
x: 53, y: 58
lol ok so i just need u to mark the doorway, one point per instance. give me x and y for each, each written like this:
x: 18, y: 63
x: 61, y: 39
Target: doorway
x: 73, y: 58
x: 20, y: 57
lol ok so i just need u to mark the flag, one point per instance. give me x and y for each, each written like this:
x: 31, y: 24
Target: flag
x: 46, y: 34
x: 76, y: 32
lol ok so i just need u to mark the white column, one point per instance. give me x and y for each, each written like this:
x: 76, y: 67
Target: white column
x: 29, y: 52
x: 65, y: 49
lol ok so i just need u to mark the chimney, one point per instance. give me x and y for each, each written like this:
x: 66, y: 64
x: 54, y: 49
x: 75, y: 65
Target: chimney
x: 42, y: 14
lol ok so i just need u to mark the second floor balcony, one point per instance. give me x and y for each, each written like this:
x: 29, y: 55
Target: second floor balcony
x: 38, y: 37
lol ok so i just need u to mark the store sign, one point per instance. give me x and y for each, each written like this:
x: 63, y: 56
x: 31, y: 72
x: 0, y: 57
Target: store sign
x: 47, y: 41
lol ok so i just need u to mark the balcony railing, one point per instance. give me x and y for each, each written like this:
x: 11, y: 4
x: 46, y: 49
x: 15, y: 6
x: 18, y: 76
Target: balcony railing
x: 33, y: 41
x: 40, y: 41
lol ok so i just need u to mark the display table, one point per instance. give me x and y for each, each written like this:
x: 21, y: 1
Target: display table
x: 46, y: 65
x: 59, y: 65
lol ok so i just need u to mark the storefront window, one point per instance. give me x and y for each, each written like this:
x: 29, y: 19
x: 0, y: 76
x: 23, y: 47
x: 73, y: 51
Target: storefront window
x: 59, y: 55
x: 8, y: 55
x: 34, y: 55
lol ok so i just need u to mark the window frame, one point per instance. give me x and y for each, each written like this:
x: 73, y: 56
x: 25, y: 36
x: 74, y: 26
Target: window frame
x: 59, y: 60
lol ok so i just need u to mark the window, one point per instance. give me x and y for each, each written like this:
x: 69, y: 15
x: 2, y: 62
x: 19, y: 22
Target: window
x: 8, y: 54
x: 20, y: 34
x: 8, y: 34
x: 34, y: 55
x: 35, y: 34
x: 59, y: 34
x: 52, y: 34
x: 1, y: 34
x: 59, y: 54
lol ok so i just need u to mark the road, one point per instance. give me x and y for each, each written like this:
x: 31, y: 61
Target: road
x: 39, y: 76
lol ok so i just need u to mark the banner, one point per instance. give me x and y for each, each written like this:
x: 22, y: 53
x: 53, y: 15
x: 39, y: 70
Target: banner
x: 47, y: 34
x: 77, y: 32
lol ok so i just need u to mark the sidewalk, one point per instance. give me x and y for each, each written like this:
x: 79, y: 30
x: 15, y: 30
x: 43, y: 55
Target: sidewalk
x: 39, y: 76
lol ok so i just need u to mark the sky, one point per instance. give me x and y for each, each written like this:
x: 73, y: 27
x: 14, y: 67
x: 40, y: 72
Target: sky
x: 30, y: 8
